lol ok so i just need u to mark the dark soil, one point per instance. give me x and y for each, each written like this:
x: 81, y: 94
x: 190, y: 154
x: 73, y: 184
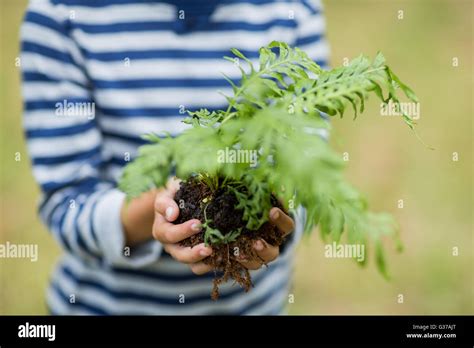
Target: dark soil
x: 226, y: 218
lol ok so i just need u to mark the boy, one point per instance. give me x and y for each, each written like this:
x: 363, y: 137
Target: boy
x: 96, y: 76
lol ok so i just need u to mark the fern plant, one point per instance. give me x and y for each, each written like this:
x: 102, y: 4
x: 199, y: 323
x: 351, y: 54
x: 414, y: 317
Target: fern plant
x: 276, y: 110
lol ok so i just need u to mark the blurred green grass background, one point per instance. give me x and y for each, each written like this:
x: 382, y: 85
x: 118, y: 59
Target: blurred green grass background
x: 386, y: 161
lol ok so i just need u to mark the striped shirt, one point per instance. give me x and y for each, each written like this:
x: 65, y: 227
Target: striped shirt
x: 96, y: 76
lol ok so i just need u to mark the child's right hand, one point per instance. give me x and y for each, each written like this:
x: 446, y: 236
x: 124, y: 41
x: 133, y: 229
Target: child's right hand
x: 169, y: 234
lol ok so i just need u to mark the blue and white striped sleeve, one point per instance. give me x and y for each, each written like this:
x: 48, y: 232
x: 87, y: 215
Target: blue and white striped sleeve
x: 80, y: 208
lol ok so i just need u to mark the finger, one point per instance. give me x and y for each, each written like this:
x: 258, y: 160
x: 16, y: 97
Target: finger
x: 169, y: 233
x: 251, y: 264
x: 166, y: 206
x: 172, y: 186
x: 282, y: 221
x: 200, y: 268
x: 188, y: 254
x: 265, y: 251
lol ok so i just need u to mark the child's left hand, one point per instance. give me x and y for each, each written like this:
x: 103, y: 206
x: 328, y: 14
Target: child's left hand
x: 265, y: 251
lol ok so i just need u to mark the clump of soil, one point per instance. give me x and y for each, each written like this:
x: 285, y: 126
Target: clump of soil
x: 226, y: 218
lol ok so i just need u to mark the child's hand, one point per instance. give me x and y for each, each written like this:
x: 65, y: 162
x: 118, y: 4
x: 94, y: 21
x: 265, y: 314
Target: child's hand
x: 169, y: 234
x: 157, y: 210
x: 265, y: 251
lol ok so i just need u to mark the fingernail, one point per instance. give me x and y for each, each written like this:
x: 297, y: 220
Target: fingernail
x: 258, y: 245
x: 196, y: 227
x: 275, y: 214
x: 205, y: 252
x: 169, y: 212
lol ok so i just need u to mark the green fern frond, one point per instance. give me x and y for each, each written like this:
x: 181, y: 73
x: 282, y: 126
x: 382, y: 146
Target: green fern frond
x: 275, y: 111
